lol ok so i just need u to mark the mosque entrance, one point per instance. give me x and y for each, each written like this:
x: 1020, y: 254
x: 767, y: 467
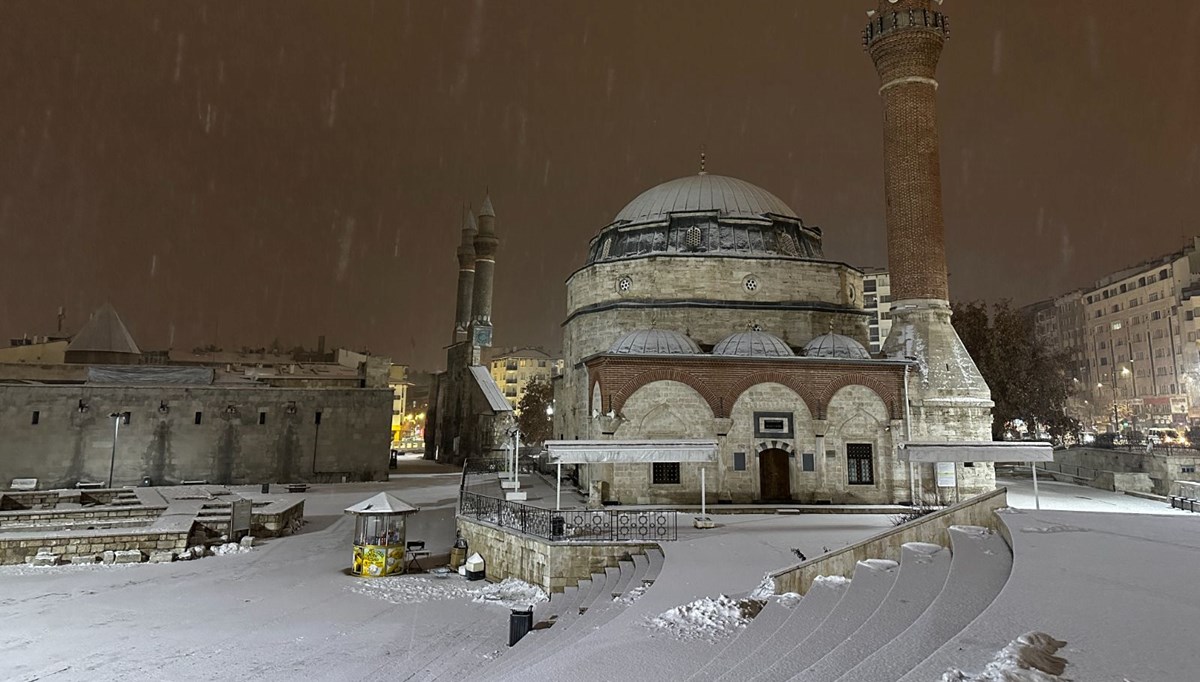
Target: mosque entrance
x: 774, y: 476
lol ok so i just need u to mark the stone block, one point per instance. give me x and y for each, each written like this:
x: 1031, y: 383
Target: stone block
x: 108, y: 556
x: 162, y: 557
x: 45, y: 557
x: 129, y: 556
x: 247, y: 542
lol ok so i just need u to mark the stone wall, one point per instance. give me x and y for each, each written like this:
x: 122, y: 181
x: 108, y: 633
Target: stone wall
x: 84, y: 546
x: 246, y: 435
x: 549, y: 565
x: 934, y: 528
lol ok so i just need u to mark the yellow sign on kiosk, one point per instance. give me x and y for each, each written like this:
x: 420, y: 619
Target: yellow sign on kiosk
x: 379, y: 535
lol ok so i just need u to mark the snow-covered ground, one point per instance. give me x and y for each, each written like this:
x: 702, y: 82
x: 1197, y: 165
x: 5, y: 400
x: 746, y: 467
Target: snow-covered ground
x: 289, y: 609
x: 1117, y: 588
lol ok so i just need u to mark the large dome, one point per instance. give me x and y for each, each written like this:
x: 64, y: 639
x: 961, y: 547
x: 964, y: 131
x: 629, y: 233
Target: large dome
x: 835, y: 346
x: 729, y: 196
x: 655, y: 342
x: 706, y: 215
x: 753, y: 344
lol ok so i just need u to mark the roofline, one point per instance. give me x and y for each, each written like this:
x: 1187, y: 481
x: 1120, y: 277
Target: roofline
x: 755, y: 358
x: 815, y: 306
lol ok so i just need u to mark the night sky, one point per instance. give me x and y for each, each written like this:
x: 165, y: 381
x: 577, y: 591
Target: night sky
x: 240, y: 173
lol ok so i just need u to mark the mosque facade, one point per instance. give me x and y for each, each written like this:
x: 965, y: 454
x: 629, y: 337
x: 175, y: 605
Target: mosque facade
x: 707, y: 309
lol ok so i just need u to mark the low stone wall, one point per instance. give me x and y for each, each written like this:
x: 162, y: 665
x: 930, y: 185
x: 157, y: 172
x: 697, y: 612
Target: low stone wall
x: 147, y: 514
x: 549, y: 565
x: 74, y: 546
x: 1113, y: 480
x: 933, y: 528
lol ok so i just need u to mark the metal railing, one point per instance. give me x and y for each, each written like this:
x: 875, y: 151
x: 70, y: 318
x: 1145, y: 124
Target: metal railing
x: 585, y: 525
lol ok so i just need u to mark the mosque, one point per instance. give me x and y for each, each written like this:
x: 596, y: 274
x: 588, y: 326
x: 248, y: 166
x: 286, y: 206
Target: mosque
x: 707, y: 312
x: 707, y: 309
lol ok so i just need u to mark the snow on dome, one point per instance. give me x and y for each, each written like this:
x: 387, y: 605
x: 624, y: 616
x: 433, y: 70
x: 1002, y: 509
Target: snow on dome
x: 729, y: 196
x: 753, y: 344
x: 835, y: 346
x: 655, y: 342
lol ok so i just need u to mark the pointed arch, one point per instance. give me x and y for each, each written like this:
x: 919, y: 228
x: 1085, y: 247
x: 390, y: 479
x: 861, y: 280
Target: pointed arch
x: 859, y: 379
x: 615, y: 400
x: 770, y: 376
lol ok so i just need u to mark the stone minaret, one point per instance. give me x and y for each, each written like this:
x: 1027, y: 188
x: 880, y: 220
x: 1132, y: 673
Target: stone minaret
x: 948, y: 396
x: 485, y: 266
x: 466, y: 278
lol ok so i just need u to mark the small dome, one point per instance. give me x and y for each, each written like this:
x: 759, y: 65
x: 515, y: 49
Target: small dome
x: 753, y: 344
x: 655, y: 342
x: 836, y: 346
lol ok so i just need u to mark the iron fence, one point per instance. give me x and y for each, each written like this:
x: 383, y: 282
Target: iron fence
x: 591, y: 525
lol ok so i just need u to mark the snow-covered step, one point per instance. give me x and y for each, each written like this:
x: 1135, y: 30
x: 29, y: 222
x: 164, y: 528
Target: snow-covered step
x: 625, y: 571
x: 569, y: 629
x: 979, y: 566
x: 422, y: 660
x: 656, y: 559
x: 766, y: 623
x: 923, y: 571
x: 873, y: 579
x: 813, y: 609
x: 560, y: 603
x: 535, y: 645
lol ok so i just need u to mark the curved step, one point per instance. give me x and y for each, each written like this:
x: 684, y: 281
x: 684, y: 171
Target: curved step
x: 812, y: 610
x: 979, y: 566
x: 873, y: 579
x: 626, y: 572
x: 570, y: 627
x: 766, y: 623
x: 923, y: 571
x: 656, y: 559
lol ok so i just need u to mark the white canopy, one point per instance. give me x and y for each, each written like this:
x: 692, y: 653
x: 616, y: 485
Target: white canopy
x: 383, y: 503
x: 631, y: 451
x: 978, y: 451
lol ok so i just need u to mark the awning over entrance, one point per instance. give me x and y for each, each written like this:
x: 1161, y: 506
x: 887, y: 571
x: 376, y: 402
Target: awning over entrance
x: 631, y: 451
x: 979, y: 451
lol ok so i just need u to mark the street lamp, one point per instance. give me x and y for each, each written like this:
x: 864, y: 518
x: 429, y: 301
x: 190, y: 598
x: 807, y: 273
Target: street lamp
x: 118, y: 419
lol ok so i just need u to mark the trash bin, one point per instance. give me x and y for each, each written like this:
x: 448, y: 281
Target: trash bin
x: 558, y: 528
x: 458, y: 553
x: 475, y: 569
x: 520, y: 622
x: 266, y: 488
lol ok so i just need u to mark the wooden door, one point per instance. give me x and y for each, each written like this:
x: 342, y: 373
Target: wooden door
x: 774, y: 476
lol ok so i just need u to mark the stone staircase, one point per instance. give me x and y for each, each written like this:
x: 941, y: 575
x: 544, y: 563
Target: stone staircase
x: 479, y: 650
x: 878, y: 626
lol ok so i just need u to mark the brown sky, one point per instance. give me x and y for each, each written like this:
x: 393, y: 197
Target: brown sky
x: 241, y: 172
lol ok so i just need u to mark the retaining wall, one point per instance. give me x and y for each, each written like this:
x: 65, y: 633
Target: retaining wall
x: 933, y: 528
x: 549, y: 565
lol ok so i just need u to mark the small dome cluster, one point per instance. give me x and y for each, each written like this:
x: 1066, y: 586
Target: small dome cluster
x: 747, y: 344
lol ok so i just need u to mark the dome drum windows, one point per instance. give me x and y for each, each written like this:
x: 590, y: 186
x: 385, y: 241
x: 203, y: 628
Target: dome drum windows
x: 624, y: 284
x: 750, y: 283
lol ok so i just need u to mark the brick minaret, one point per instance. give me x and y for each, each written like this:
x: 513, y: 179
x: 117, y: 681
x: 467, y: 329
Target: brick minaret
x: 466, y: 278
x: 948, y: 398
x: 904, y: 39
x: 485, y: 266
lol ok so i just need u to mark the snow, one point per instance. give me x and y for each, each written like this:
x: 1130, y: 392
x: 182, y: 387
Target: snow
x: 229, y: 548
x: 415, y: 589
x: 1028, y: 658
x: 511, y: 593
x: 707, y: 618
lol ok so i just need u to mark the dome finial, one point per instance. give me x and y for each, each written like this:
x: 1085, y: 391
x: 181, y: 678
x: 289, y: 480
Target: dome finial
x: 702, y: 159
